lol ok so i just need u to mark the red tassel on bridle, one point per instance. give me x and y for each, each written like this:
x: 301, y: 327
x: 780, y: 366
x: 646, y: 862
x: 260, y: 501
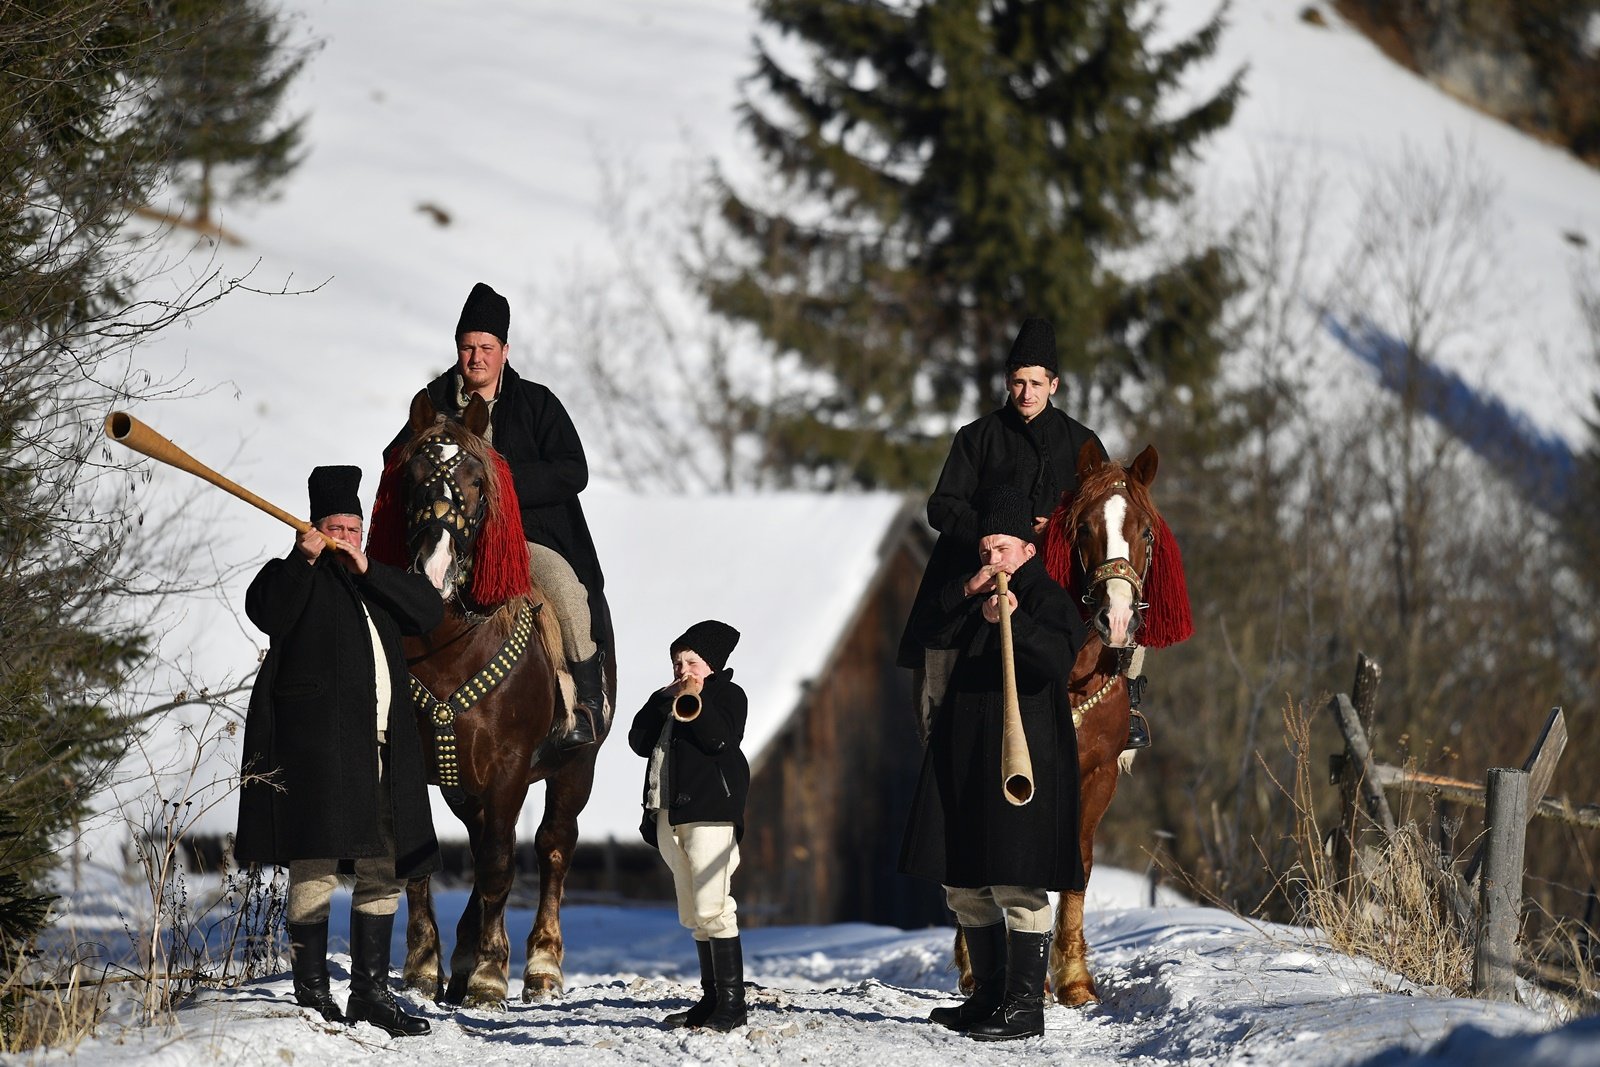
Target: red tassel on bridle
x: 500, y: 562
x: 386, y: 534
x: 1167, y: 619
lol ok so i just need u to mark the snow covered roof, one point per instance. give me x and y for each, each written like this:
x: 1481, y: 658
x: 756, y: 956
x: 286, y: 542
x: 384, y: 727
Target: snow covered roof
x: 788, y: 570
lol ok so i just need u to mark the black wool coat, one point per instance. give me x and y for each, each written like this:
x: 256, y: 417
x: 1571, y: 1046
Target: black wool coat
x: 535, y: 435
x: 706, y: 777
x: 1040, y: 458
x: 962, y: 830
x: 312, y: 723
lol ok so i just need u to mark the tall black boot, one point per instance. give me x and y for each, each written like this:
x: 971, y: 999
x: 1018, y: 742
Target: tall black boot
x: 370, y: 998
x: 1138, y: 729
x: 986, y: 952
x: 1021, y: 1012
x: 727, y: 967
x: 697, y: 1015
x: 588, y: 678
x: 308, y: 951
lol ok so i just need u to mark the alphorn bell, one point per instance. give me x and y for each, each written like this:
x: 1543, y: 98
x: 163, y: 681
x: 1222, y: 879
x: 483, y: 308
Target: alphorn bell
x: 1016, y: 764
x: 686, y: 705
x: 130, y: 432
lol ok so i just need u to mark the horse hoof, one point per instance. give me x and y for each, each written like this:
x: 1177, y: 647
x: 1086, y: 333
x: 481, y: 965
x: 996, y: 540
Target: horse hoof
x: 426, y: 987
x: 486, y: 1001
x: 1077, y: 994
x: 541, y: 987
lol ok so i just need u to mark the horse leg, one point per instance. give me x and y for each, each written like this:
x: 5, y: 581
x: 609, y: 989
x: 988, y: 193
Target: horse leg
x: 962, y: 963
x: 1069, y: 956
x: 494, y: 869
x: 464, y: 957
x: 423, y: 971
x: 565, y: 795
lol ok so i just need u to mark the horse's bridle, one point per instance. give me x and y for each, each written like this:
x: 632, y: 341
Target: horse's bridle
x: 443, y: 510
x: 1119, y: 567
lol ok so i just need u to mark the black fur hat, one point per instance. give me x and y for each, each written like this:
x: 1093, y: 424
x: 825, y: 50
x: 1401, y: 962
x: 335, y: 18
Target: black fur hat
x: 1035, y: 346
x: 485, y: 311
x: 711, y: 640
x: 1005, y: 511
x: 334, y: 491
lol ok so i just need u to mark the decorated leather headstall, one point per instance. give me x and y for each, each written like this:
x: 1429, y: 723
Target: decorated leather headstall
x: 1119, y: 567
x: 437, y: 503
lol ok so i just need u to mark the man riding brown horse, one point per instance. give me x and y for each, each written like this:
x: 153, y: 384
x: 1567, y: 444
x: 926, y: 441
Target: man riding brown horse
x: 531, y: 430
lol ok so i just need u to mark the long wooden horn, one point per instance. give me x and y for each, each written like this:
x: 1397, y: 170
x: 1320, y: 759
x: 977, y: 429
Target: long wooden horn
x: 1016, y: 764
x: 129, y: 431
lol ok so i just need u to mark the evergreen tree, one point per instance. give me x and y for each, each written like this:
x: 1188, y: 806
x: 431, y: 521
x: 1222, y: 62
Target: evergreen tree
x: 219, y: 91
x: 953, y: 166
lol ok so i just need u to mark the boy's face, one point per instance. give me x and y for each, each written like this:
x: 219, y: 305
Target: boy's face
x: 688, y: 664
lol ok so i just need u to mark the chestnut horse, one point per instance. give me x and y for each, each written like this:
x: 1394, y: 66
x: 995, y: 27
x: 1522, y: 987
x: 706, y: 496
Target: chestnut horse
x: 1099, y: 544
x: 487, y: 696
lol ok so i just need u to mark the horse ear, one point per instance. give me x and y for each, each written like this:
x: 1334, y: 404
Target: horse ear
x: 422, y: 413
x: 1144, y: 466
x: 476, y: 417
x: 1089, y: 459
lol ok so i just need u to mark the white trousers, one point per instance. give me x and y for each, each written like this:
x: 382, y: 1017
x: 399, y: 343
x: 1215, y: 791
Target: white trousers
x: 702, y: 857
x: 568, y: 597
x: 1024, y: 910
x: 377, y: 890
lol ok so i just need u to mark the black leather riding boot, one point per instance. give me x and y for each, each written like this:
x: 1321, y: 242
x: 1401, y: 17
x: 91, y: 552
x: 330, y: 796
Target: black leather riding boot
x: 588, y: 677
x: 1138, y: 729
x: 308, y: 951
x: 370, y: 998
x: 1021, y: 1012
x: 727, y: 967
x: 697, y: 1015
x: 986, y: 953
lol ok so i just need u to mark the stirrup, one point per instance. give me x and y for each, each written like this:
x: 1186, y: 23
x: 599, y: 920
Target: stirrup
x: 1138, y: 732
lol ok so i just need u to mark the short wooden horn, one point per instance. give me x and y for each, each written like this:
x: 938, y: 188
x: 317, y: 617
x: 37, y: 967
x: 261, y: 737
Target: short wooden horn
x: 686, y: 705
x: 130, y: 432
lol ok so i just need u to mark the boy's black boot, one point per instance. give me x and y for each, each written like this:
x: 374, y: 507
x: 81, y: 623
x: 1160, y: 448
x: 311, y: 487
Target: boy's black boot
x: 986, y: 954
x: 1021, y: 1012
x: 588, y: 712
x: 727, y: 967
x: 701, y: 1011
x: 308, y: 950
x: 370, y: 998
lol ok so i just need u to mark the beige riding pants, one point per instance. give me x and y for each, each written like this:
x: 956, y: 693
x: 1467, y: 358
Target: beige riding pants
x: 569, y: 598
x: 702, y: 857
x: 1024, y: 910
x: 377, y: 890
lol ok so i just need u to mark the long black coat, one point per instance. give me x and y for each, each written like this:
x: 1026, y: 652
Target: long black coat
x: 534, y: 433
x: 962, y: 831
x: 1039, y: 458
x: 313, y: 716
x: 706, y: 777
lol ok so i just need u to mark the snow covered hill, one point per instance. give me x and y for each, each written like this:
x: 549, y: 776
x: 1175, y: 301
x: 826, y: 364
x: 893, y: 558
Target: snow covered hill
x: 1179, y: 985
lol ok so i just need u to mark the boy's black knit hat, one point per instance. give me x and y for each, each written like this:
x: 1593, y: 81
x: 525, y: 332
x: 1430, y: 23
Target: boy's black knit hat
x: 1005, y: 511
x: 334, y: 491
x: 1035, y: 346
x: 711, y: 640
x: 485, y: 311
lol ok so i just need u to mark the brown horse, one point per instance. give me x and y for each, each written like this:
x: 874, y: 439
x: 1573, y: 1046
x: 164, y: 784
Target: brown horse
x: 1099, y: 544
x: 487, y: 695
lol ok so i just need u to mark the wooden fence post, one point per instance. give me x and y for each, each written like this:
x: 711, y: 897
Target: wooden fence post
x: 1363, y: 699
x: 1494, y: 974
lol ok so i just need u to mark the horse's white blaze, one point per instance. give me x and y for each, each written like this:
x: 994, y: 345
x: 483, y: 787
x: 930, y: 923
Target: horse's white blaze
x: 438, y: 562
x: 1119, y: 593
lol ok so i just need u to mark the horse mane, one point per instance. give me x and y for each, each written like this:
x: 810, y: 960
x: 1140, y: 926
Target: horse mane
x: 1168, y: 619
x: 500, y: 559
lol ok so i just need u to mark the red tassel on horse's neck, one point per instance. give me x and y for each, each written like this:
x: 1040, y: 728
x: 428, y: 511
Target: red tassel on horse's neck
x: 500, y: 564
x: 386, y: 533
x: 1167, y: 619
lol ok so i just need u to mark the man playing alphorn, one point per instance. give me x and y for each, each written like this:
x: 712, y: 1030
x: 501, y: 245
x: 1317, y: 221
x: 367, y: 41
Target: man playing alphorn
x: 997, y: 860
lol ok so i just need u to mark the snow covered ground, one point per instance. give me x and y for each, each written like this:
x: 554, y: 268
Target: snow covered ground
x: 1180, y: 985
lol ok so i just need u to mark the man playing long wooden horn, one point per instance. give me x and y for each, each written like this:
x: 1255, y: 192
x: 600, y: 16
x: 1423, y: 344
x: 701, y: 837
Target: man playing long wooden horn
x: 997, y: 860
